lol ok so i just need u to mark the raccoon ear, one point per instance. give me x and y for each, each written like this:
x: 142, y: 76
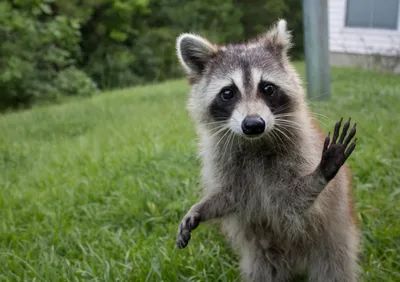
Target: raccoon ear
x: 278, y: 37
x: 194, y: 52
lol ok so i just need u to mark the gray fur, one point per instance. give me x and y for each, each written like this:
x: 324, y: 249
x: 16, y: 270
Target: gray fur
x: 275, y: 205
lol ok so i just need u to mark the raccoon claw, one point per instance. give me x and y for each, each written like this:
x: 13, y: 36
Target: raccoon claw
x: 336, y: 153
x: 189, y: 223
x: 183, y: 239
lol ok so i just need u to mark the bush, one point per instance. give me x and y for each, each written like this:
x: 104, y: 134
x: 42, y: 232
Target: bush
x: 110, y: 66
x: 52, y: 48
x: 74, y: 82
x: 33, y: 53
x: 156, y: 62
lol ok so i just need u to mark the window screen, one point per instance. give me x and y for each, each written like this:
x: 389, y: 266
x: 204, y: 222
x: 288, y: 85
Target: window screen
x: 372, y: 13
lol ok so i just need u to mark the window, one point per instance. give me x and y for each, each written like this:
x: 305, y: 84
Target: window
x: 372, y: 13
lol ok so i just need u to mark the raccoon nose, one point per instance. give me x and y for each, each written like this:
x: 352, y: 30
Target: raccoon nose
x: 253, y: 125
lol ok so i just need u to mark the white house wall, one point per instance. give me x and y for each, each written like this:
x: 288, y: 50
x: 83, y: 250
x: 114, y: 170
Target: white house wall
x: 359, y: 40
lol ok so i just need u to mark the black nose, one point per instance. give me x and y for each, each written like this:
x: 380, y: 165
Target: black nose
x: 253, y: 125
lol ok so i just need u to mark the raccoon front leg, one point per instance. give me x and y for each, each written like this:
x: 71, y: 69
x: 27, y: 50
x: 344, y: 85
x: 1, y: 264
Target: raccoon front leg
x: 334, y: 154
x: 213, y: 206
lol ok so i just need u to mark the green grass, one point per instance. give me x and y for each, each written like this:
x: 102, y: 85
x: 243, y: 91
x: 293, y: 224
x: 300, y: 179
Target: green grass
x: 94, y: 190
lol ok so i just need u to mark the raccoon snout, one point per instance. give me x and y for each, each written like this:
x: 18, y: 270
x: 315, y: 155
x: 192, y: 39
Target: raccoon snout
x: 253, y: 125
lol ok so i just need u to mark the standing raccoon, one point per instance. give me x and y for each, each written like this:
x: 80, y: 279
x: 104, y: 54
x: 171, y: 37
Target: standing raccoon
x: 280, y: 188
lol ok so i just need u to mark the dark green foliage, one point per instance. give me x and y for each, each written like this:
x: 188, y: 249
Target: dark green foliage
x: 55, y: 48
x: 74, y: 82
x: 259, y: 14
x: 36, y: 48
x: 294, y: 14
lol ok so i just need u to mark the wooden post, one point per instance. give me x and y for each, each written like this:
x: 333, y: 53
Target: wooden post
x: 316, y: 45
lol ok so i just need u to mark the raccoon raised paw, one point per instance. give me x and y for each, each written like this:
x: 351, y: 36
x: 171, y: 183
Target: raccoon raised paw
x: 336, y: 152
x: 189, y: 223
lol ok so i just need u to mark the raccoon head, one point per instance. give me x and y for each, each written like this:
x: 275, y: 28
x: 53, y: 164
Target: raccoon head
x: 249, y: 88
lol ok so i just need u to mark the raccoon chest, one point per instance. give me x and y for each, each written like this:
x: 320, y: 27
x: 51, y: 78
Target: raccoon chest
x: 255, y: 181
x: 257, y: 189
x: 255, y: 194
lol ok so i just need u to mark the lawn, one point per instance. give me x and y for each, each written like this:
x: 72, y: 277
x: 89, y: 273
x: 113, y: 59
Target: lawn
x: 94, y: 190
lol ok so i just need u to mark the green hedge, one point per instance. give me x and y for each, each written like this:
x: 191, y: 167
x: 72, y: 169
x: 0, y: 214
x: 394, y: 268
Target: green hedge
x: 55, y: 48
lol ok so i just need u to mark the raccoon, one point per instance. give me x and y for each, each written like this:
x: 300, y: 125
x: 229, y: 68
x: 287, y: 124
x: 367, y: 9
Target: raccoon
x: 279, y: 187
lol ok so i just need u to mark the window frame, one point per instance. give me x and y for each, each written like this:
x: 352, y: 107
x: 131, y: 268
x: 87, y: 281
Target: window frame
x: 371, y: 29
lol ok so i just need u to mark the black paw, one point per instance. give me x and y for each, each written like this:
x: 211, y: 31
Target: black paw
x: 189, y: 223
x: 336, y: 153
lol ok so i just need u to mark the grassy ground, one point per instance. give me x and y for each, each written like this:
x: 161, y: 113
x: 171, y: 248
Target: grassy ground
x: 94, y: 190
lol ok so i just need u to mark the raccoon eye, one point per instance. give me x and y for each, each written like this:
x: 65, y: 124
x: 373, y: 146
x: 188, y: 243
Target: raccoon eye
x: 268, y: 89
x: 226, y: 94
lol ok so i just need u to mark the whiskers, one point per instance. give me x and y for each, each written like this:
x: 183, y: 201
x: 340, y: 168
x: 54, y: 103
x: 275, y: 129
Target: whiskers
x: 284, y: 121
x: 318, y: 117
x: 222, y: 131
x: 285, y: 130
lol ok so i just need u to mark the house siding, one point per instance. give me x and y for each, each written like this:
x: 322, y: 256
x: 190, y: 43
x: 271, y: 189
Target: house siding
x: 359, y: 41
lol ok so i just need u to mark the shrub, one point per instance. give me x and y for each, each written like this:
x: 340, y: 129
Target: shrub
x: 74, y: 82
x: 33, y: 52
x: 51, y: 48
